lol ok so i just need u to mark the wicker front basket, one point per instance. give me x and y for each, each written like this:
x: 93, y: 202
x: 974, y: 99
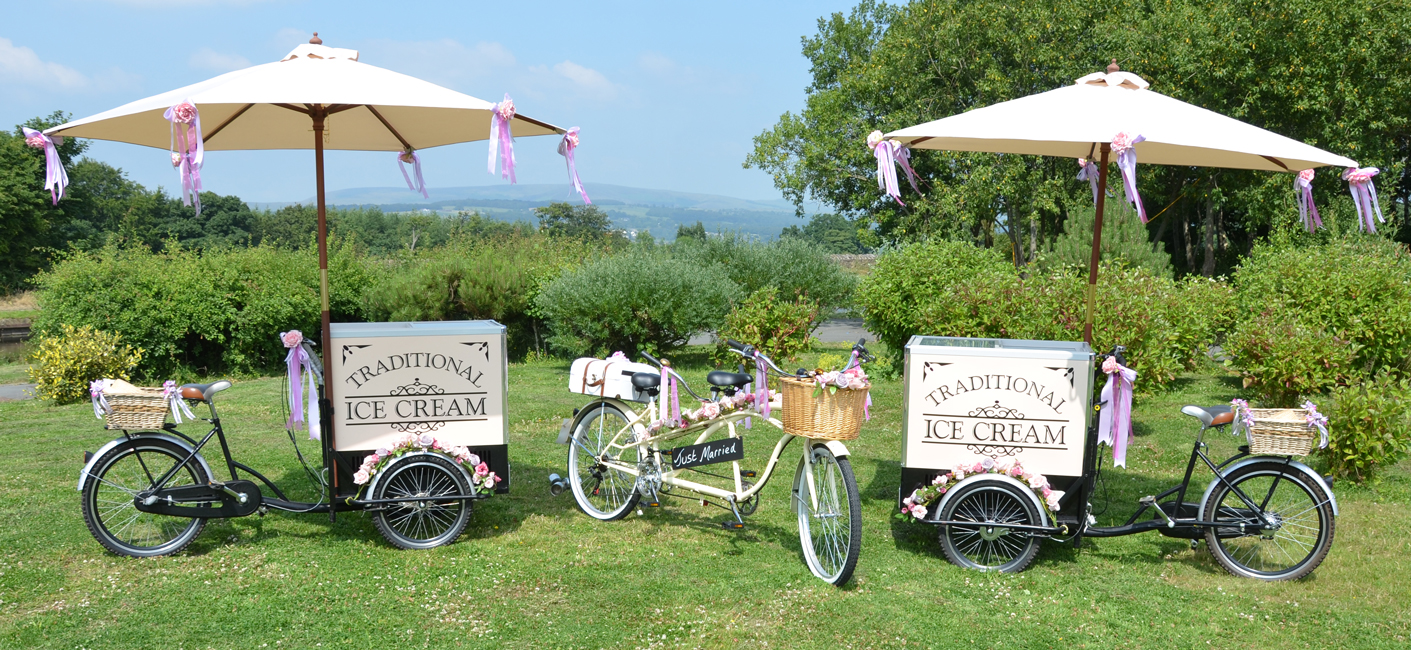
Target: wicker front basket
x: 828, y: 416
x: 1282, y: 432
x: 137, y: 408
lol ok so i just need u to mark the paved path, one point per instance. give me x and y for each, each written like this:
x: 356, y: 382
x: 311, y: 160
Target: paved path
x: 838, y: 330
x: 15, y: 391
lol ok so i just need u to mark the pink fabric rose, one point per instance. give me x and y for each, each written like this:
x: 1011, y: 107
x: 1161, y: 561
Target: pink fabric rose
x: 1121, y: 142
x: 1037, y: 481
x: 383, y: 451
x: 184, y: 112
x: 36, y: 141
x: 292, y: 338
x: 1110, y: 365
x: 361, y: 477
x: 505, y: 109
x: 709, y: 411
x: 873, y: 139
x: 482, y: 469
x: 426, y: 440
x: 1306, y: 175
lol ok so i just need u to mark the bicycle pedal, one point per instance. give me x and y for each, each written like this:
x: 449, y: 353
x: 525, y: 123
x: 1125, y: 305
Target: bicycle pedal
x: 732, y: 525
x: 748, y: 473
x: 652, y: 504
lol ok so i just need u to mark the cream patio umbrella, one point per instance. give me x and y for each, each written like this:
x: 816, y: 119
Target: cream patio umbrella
x: 325, y: 91
x: 1085, y: 119
x: 349, y: 105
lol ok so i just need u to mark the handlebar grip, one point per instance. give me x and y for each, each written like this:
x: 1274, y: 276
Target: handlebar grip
x: 736, y: 344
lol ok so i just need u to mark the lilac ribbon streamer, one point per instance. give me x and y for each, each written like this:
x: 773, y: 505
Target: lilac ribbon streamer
x: 1114, y: 425
x: 300, y: 365
x: 420, y: 184
x: 761, y: 395
x: 1126, y: 148
x: 178, y: 406
x: 1088, y: 172
x: 566, y: 147
x: 192, y: 155
x: 867, y: 403
x: 55, y: 178
x: 904, y: 159
x: 675, y: 412
x: 886, y: 153
x: 1317, y: 420
x: 1364, y: 195
x: 502, y: 139
x: 1303, y: 186
x: 100, y: 403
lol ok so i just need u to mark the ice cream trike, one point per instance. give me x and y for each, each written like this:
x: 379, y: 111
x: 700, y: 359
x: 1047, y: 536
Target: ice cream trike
x: 412, y: 430
x: 1000, y: 451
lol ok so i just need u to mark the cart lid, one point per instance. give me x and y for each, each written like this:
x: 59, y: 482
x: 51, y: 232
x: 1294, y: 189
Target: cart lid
x: 420, y: 328
x: 1014, y: 348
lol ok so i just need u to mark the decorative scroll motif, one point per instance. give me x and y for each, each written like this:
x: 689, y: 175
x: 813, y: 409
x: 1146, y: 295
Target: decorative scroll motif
x: 996, y: 411
x: 417, y: 427
x: 995, y: 451
x: 416, y: 388
x: 479, y: 346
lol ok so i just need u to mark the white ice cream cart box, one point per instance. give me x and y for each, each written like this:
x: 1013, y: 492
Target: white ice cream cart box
x: 448, y: 379
x: 969, y: 399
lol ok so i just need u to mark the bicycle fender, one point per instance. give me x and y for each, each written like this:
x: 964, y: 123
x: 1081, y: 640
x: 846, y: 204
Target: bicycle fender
x: 83, y: 475
x: 1294, y: 465
x: 372, y: 485
x: 839, y: 449
x: 973, y: 478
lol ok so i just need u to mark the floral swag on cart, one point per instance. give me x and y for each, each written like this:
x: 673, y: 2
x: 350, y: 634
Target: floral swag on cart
x: 482, y: 479
x: 917, y: 505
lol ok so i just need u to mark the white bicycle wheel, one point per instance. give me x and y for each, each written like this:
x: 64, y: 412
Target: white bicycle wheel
x: 830, y: 520
x: 602, y: 492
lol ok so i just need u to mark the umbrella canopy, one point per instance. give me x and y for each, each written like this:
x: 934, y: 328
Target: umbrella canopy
x: 368, y: 109
x: 1074, y: 120
x: 1083, y: 121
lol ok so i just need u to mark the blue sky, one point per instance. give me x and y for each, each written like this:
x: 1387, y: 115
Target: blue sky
x: 668, y: 95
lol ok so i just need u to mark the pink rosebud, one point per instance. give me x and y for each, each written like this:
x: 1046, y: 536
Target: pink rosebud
x: 1306, y: 175
x: 482, y: 469
x: 371, y: 459
x: 1110, y: 365
x: 184, y: 112
x: 292, y: 338
x: 36, y: 141
x: 361, y: 477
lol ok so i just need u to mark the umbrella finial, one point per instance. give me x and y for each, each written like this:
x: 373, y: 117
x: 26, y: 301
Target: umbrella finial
x: 1111, y: 67
x: 318, y: 41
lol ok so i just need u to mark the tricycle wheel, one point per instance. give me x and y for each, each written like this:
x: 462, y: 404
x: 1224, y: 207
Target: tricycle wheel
x: 422, y: 523
x: 113, y: 484
x: 1287, y: 543
x: 988, y: 547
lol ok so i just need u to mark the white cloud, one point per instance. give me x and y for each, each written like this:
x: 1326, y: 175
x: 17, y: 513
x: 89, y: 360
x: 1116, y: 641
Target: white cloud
x: 662, y: 69
x: 656, y: 63
x: 209, y: 59
x: 19, y: 64
x: 586, y: 79
x: 445, y: 60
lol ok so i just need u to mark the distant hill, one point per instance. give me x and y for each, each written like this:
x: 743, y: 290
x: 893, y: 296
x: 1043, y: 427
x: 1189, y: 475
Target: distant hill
x: 634, y: 208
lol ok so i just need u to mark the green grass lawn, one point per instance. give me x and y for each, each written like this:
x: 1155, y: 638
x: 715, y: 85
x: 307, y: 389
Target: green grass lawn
x: 531, y: 571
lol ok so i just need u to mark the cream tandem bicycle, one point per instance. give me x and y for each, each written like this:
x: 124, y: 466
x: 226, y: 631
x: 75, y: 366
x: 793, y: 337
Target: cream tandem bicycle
x: 620, y: 456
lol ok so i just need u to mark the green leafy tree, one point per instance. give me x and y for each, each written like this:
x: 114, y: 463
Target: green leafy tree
x: 833, y: 232
x: 30, y: 224
x: 587, y: 222
x: 697, y: 232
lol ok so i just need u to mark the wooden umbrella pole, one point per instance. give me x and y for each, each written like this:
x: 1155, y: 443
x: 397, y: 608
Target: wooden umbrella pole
x: 330, y: 458
x: 1097, y: 245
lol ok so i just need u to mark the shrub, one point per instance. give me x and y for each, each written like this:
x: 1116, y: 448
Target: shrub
x: 1342, y: 297
x: 199, y: 312
x: 498, y: 280
x: 794, y: 266
x: 779, y: 328
x: 1370, y: 427
x: 64, y: 364
x: 632, y: 302
x: 955, y: 289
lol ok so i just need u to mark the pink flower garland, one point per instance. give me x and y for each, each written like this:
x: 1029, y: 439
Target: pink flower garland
x: 916, y: 505
x: 482, y: 479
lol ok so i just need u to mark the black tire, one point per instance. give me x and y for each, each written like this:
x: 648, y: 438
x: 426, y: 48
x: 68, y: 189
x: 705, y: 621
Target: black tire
x: 990, y: 548
x: 831, y: 533
x: 601, y: 492
x: 115, y: 480
x: 1302, y: 516
x: 422, y: 524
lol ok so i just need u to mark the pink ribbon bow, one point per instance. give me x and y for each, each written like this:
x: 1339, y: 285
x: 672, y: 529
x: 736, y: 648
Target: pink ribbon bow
x: 1125, y: 146
x: 1088, y: 172
x: 1364, y: 195
x: 188, y: 151
x: 566, y: 147
x: 1317, y: 421
x: 409, y: 156
x: 502, y: 139
x: 100, y: 402
x: 889, y: 154
x: 1307, y: 211
x: 178, y: 406
x: 1114, y: 424
x: 300, y: 364
x: 55, y: 178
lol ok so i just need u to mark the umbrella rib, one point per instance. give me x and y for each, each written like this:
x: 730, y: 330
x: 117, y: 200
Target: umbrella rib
x: 535, y: 122
x: 1276, y: 161
x: 294, y: 108
x: 207, y: 137
x: 405, y: 145
x: 339, y: 108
